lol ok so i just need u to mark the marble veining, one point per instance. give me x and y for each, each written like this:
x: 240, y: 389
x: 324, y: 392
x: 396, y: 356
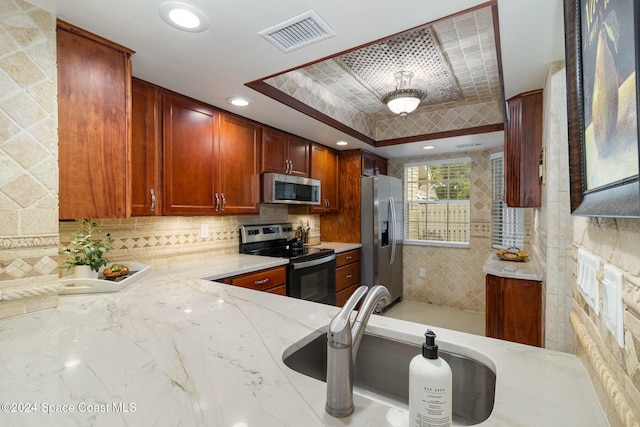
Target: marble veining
x: 172, y: 349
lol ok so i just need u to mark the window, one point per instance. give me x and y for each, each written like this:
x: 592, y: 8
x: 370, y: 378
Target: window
x: 507, y: 224
x: 437, y: 195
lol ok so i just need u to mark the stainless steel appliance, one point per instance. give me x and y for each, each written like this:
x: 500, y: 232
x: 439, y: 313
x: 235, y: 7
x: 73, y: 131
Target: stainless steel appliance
x: 311, y: 272
x: 280, y: 188
x: 381, y: 233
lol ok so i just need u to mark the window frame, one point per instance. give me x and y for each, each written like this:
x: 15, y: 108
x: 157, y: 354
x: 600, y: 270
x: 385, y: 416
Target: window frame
x: 408, y: 202
x: 516, y: 214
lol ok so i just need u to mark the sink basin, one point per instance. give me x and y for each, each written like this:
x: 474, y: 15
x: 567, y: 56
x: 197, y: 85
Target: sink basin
x: 382, y: 372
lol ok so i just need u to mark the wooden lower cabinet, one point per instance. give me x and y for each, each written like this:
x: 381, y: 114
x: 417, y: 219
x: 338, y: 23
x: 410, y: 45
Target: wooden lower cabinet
x: 347, y: 275
x: 272, y: 280
x: 514, y: 310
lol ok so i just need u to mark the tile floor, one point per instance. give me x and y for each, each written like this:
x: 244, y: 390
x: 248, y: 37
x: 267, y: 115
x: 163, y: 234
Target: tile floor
x: 434, y: 315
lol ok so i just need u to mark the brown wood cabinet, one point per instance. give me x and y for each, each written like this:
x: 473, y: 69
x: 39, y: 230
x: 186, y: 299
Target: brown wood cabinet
x: 522, y: 150
x: 347, y: 275
x: 94, y: 133
x: 238, y: 157
x: 372, y: 164
x: 514, y: 310
x: 210, y: 160
x: 189, y: 157
x: 324, y: 167
x: 272, y: 280
x: 284, y: 153
x: 146, y: 146
x: 345, y: 225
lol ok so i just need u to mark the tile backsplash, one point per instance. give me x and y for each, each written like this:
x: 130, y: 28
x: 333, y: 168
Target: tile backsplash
x: 28, y: 159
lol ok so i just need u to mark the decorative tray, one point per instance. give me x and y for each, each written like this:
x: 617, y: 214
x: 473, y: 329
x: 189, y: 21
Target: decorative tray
x: 512, y: 254
x: 74, y: 285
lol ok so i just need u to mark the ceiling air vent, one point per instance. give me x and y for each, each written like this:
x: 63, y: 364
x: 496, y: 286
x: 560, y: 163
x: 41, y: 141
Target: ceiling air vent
x: 297, y: 32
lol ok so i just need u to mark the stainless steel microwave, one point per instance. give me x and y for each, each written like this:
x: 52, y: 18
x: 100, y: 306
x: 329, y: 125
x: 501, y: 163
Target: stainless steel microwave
x: 280, y: 188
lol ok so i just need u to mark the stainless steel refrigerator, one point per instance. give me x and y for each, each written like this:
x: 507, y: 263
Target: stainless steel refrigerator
x: 381, y: 233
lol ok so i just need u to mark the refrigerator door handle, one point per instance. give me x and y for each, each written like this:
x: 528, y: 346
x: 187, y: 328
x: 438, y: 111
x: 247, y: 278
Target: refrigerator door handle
x: 392, y: 211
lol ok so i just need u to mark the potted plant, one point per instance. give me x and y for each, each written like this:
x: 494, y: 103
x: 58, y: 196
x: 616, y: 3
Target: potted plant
x: 86, y: 251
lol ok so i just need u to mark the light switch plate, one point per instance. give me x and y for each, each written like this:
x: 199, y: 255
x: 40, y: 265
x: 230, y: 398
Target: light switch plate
x: 612, y: 307
x: 204, y: 231
x: 588, y: 266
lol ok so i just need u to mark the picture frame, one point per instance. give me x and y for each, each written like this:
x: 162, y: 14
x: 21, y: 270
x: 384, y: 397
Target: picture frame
x: 601, y: 49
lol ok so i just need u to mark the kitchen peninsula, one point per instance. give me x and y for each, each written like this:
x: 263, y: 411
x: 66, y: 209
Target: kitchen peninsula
x: 173, y: 349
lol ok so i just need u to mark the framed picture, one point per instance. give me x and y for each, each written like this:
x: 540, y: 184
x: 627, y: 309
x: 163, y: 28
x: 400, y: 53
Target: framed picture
x: 601, y: 45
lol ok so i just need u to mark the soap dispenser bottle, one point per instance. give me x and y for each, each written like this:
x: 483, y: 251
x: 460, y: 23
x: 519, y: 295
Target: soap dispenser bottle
x: 430, y: 387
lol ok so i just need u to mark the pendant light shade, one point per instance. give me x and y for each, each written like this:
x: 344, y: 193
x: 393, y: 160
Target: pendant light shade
x: 403, y: 100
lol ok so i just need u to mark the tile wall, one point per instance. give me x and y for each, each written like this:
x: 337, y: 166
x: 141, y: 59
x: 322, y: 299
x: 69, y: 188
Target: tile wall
x: 153, y: 240
x: 454, y: 275
x: 28, y: 159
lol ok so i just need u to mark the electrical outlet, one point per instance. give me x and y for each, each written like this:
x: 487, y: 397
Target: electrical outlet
x: 422, y: 272
x: 204, y: 231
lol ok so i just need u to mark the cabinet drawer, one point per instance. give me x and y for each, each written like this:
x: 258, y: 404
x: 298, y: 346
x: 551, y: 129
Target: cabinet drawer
x: 345, y: 258
x: 279, y: 290
x: 262, y: 280
x: 347, y: 276
x: 343, y: 295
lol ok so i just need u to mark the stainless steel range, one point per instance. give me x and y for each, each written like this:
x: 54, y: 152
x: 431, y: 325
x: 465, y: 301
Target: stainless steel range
x: 310, y: 272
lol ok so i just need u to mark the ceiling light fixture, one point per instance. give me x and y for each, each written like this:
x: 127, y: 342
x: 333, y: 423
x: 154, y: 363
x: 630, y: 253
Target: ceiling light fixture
x: 403, y: 100
x: 342, y: 143
x: 184, y: 17
x: 428, y: 147
x: 238, y: 102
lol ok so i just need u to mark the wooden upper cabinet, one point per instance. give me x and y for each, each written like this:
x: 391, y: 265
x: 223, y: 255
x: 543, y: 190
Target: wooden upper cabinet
x: 239, y: 177
x: 372, y: 164
x: 94, y: 134
x: 146, y: 144
x: 284, y: 153
x: 522, y: 150
x: 189, y: 157
x: 324, y: 167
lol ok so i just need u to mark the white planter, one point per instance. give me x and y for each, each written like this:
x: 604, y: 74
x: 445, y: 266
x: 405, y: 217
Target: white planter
x: 84, y: 272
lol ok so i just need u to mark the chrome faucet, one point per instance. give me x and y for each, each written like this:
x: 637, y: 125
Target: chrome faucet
x: 343, y: 343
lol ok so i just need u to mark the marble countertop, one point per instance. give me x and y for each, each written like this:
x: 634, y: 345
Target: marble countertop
x: 529, y: 269
x: 339, y: 247
x: 172, y: 349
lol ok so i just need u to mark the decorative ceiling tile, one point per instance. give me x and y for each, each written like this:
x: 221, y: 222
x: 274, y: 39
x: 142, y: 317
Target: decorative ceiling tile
x: 453, y: 60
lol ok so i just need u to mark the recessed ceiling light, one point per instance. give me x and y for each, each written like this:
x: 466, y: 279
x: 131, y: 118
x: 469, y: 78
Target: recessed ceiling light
x: 342, y: 143
x: 428, y: 147
x: 238, y: 102
x: 184, y: 17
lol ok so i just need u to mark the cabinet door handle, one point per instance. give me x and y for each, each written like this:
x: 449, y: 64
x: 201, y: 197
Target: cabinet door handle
x: 153, y: 200
x: 348, y: 276
x: 348, y: 257
x: 224, y: 202
x: 289, y: 166
x: 261, y: 282
x: 217, y: 202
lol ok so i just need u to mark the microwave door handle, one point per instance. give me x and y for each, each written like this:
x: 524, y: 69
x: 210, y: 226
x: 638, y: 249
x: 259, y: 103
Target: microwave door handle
x: 392, y: 211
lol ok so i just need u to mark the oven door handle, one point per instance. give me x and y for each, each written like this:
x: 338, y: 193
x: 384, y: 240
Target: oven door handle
x: 313, y: 262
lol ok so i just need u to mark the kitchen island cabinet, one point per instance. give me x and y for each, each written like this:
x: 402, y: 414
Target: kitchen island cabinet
x: 285, y: 153
x: 210, y: 160
x: 94, y: 118
x: 324, y: 167
x: 186, y: 351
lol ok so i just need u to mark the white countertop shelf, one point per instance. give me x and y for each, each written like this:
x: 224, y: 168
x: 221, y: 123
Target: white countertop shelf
x: 528, y: 270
